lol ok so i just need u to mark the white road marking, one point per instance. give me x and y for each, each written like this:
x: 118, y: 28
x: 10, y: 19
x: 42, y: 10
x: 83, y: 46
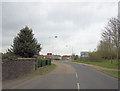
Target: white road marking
x: 78, y: 85
x: 76, y: 75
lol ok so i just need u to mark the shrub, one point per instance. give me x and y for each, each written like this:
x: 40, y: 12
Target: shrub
x: 9, y: 56
x: 94, y: 56
x: 43, y: 62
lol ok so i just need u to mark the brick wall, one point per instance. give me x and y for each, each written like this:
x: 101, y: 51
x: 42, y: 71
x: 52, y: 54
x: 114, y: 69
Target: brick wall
x: 14, y: 68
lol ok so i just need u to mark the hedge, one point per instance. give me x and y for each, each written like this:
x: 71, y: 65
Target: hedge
x: 43, y: 62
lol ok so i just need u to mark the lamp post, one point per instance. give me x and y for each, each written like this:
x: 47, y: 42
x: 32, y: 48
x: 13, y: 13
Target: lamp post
x: 71, y: 48
x: 49, y: 43
x: 51, y: 49
x: 56, y: 36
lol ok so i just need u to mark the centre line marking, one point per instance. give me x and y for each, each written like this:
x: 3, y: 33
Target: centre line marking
x: 76, y: 75
x: 78, y: 85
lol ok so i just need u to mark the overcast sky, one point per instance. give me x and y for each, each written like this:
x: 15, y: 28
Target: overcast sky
x: 78, y: 25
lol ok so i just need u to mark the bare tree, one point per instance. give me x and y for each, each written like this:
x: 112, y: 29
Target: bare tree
x: 111, y: 39
x: 114, y: 25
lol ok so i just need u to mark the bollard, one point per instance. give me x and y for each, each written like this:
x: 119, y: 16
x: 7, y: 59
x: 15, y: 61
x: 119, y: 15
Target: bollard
x: 36, y: 64
x: 49, y: 61
x: 41, y: 63
x: 46, y: 62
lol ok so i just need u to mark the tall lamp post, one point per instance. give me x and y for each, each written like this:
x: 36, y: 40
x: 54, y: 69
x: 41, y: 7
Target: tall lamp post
x: 50, y: 41
x: 55, y: 36
x: 71, y: 50
x: 52, y: 48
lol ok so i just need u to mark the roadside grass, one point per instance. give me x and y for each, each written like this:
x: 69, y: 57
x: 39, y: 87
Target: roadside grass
x: 113, y: 73
x: 40, y: 71
x: 59, y: 60
x: 45, y: 69
x: 106, y: 63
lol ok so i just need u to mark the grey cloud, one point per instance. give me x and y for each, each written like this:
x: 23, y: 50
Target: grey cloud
x: 48, y: 19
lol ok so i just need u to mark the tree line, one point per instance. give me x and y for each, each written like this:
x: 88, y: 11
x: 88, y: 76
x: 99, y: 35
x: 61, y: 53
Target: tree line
x: 109, y: 45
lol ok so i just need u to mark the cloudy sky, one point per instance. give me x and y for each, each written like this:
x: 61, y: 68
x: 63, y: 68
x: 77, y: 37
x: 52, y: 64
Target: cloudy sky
x: 78, y: 25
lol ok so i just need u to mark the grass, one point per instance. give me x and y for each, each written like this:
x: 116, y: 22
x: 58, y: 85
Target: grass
x: 59, y: 60
x: 113, y: 73
x: 45, y: 69
x: 40, y: 71
x: 105, y: 64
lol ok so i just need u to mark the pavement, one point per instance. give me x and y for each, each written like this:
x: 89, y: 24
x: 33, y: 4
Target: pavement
x: 67, y: 75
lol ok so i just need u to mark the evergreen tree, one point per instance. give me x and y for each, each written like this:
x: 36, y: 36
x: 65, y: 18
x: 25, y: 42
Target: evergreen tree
x: 25, y: 45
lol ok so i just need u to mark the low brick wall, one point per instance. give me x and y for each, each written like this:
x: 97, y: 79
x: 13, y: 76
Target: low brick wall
x: 14, y: 68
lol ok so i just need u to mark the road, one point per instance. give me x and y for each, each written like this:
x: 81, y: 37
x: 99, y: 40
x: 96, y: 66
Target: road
x: 0, y: 75
x: 68, y: 75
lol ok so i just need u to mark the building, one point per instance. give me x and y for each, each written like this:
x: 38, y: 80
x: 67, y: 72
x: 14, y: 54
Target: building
x: 56, y: 57
x: 66, y: 57
x: 43, y: 56
x: 49, y: 55
x: 84, y: 54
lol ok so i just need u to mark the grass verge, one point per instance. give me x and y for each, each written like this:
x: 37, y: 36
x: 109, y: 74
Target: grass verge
x: 40, y: 71
x: 44, y: 70
x: 59, y: 60
x: 106, y: 64
x: 112, y: 73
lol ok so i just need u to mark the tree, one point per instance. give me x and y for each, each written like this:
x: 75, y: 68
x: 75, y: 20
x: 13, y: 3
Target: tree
x: 111, y: 39
x: 102, y: 49
x: 94, y: 56
x: 74, y: 57
x: 24, y: 44
x: 113, y: 30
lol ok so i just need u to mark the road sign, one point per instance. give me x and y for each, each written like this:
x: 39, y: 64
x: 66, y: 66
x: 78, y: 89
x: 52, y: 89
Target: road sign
x: 49, y: 54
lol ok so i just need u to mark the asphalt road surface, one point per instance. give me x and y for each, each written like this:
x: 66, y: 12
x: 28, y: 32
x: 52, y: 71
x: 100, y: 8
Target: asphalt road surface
x: 0, y: 74
x: 70, y: 76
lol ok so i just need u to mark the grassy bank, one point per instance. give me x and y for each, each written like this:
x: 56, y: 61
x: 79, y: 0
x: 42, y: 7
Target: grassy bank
x: 106, y: 64
x: 40, y: 71
x: 113, y: 73
x: 59, y: 60
x: 44, y: 70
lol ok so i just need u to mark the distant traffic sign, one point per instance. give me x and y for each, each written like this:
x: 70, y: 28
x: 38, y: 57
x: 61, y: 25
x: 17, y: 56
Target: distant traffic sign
x: 49, y: 54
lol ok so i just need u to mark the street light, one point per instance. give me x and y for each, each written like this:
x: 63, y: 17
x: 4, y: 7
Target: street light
x: 71, y: 48
x: 50, y: 42
x: 56, y: 36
